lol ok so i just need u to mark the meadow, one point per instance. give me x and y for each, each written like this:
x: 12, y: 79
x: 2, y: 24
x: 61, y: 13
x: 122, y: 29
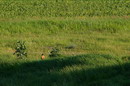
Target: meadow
x: 63, y: 8
x: 93, y: 37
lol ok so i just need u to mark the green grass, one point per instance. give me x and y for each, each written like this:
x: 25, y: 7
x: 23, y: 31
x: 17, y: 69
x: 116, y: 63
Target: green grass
x: 63, y: 8
x: 55, y: 25
x: 92, y: 35
x: 80, y: 70
x: 103, y: 41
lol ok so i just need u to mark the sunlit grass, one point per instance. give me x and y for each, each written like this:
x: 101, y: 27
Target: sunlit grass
x: 92, y: 35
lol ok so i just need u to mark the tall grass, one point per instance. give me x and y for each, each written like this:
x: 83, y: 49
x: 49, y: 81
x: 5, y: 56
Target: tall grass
x: 109, y: 35
x: 63, y: 8
x: 80, y: 70
x: 98, y: 30
x: 50, y: 26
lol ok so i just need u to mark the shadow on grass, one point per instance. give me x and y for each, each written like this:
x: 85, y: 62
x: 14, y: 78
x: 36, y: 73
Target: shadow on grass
x: 48, y: 72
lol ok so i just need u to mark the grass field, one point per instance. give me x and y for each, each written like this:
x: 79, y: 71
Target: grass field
x: 97, y: 30
x: 63, y: 8
x: 80, y: 70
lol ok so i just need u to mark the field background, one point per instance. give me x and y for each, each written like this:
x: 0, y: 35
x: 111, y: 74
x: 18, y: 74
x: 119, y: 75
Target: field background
x: 99, y: 31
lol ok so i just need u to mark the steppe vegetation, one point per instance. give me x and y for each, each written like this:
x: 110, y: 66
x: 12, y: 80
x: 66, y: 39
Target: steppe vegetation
x: 92, y: 38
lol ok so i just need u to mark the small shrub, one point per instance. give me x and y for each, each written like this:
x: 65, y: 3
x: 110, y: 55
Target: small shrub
x: 20, y: 49
x: 54, y: 52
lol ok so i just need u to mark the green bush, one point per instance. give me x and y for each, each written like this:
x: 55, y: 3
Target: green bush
x: 20, y: 49
x: 55, y: 52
